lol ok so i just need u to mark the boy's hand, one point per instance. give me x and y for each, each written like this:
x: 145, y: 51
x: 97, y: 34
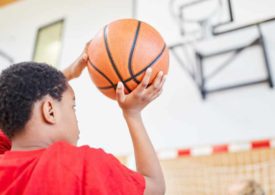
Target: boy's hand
x: 139, y: 98
x: 76, y: 68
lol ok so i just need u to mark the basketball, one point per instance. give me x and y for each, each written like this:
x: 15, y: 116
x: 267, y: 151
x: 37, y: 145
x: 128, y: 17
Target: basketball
x: 122, y: 51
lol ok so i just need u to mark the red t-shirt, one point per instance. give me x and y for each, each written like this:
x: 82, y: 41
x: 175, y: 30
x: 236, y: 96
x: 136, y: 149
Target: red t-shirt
x: 5, y: 143
x: 66, y: 169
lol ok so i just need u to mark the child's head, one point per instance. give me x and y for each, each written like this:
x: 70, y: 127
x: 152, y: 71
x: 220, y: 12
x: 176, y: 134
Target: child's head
x: 36, y: 102
x: 245, y: 187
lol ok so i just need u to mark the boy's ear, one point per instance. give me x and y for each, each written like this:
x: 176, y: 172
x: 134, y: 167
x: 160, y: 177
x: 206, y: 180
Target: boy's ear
x: 48, y: 111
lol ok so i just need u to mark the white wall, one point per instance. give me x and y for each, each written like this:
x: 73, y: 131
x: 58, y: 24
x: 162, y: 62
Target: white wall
x: 236, y: 115
x: 179, y: 117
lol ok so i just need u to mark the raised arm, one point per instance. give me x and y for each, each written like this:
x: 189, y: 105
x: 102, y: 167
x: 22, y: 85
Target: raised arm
x: 132, y: 104
x: 75, y: 69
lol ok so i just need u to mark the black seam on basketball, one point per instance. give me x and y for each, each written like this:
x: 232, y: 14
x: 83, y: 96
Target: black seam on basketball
x: 102, y: 74
x: 140, y: 72
x: 112, y: 60
x: 132, y: 52
x: 152, y: 63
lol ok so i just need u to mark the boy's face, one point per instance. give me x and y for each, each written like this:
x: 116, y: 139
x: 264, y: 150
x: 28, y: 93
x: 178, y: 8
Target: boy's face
x: 66, y: 118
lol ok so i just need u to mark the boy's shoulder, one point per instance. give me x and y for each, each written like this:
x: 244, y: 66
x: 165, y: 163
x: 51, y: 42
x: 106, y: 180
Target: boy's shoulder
x: 78, y: 157
x: 68, y: 150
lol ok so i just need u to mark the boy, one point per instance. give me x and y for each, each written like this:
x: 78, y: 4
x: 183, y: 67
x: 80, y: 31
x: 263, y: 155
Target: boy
x: 37, y: 114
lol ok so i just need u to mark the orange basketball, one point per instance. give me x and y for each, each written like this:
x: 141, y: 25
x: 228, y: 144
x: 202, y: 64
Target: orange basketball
x: 122, y: 51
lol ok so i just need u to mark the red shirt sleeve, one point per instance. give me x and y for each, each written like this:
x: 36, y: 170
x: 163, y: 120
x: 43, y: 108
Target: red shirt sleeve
x: 5, y: 143
x: 112, y: 177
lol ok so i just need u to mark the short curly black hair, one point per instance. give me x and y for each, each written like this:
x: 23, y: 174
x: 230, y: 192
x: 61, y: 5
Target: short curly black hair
x: 21, y: 85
